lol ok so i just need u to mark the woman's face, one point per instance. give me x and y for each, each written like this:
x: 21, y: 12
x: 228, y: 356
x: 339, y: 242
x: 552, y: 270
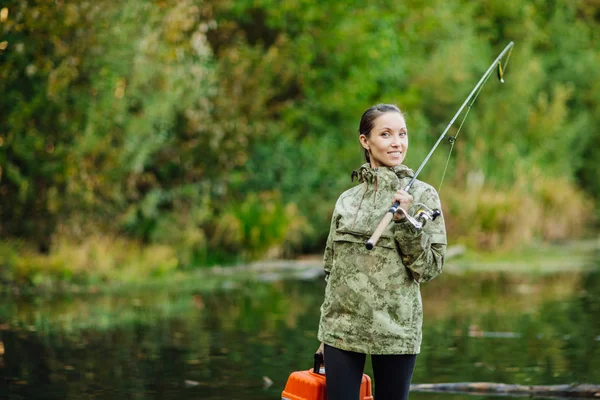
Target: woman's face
x: 388, y: 141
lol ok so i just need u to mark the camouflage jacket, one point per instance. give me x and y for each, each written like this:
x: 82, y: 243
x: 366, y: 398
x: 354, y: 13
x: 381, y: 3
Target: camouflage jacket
x: 372, y: 300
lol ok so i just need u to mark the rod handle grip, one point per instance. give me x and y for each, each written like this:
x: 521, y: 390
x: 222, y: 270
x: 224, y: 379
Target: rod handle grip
x: 385, y: 221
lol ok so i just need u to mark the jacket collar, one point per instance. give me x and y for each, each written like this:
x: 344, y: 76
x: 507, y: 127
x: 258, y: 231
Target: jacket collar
x: 391, y: 174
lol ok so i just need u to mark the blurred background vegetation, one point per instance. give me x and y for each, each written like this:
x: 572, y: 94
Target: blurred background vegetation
x: 141, y: 138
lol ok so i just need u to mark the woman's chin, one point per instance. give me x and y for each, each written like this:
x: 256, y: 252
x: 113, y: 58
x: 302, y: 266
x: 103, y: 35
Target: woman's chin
x: 389, y: 163
x: 395, y: 162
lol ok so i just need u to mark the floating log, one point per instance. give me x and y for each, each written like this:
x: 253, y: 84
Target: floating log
x: 502, y: 389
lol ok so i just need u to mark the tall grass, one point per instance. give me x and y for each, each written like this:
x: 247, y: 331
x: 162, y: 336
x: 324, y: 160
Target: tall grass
x: 542, y: 209
x: 261, y: 225
x: 97, y: 259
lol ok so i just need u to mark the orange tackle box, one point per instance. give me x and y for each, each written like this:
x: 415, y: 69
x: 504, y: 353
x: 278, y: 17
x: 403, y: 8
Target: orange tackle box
x: 308, y: 385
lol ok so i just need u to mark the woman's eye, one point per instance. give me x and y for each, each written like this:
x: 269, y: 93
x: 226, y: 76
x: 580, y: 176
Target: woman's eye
x: 385, y: 134
x: 403, y: 134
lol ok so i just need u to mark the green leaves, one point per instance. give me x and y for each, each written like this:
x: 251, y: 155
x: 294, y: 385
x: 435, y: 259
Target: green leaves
x: 140, y: 128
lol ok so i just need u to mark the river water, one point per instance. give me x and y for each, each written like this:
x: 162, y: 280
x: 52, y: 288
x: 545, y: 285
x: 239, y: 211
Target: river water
x: 226, y: 338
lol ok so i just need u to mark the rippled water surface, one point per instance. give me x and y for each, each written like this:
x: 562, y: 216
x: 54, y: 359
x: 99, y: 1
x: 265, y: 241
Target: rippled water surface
x: 241, y: 339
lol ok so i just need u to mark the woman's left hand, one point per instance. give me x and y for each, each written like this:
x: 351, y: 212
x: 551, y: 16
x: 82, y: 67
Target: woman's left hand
x: 405, y: 200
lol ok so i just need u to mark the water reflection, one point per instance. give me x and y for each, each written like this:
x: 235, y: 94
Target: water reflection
x: 188, y: 343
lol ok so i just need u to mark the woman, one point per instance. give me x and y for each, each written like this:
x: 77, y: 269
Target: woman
x: 372, y: 301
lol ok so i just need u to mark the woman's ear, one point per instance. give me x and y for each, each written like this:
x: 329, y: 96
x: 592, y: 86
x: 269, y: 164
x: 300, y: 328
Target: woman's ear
x: 364, y: 141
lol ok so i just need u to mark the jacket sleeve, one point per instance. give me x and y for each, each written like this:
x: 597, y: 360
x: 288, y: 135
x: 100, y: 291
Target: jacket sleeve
x: 423, y: 251
x: 328, y: 255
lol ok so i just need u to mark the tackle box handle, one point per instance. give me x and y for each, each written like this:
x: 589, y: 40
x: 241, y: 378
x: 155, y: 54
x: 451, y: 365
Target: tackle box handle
x: 317, y: 363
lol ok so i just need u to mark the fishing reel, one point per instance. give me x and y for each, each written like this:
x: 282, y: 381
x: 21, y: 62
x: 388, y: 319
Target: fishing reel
x: 422, y: 216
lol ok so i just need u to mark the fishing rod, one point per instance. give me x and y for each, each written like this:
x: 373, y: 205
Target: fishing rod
x: 425, y: 213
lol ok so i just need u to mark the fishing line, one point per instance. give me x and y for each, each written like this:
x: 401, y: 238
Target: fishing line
x: 424, y: 216
x: 452, y: 139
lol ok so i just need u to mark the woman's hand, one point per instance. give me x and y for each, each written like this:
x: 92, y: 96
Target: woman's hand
x: 321, y: 350
x: 317, y: 367
x: 405, y: 200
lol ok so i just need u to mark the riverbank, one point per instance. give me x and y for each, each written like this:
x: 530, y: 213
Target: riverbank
x: 540, y: 259
x: 147, y: 272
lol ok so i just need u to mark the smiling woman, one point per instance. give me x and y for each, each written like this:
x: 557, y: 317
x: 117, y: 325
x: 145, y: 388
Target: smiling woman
x: 372, y: 300
x: 384, y: 137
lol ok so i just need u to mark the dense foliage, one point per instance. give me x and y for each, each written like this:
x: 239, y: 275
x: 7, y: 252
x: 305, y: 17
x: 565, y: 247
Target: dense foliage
x: 225, y: 129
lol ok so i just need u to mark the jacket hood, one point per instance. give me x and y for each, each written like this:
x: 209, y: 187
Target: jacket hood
x: 368, y: 174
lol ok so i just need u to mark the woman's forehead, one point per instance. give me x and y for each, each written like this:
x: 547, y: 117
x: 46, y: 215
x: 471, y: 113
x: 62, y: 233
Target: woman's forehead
x: 392, y: 120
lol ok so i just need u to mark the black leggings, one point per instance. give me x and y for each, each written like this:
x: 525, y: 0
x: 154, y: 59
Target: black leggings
x: 344, y: 370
